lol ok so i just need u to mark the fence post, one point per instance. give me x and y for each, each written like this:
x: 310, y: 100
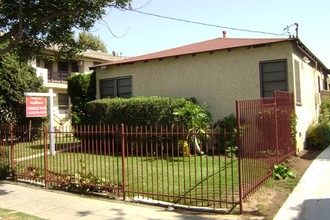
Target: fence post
x: 123, y: 160
x: 45, y: 156
x: 12, y: 150
x: 238, y: 133
x: 276, y: 127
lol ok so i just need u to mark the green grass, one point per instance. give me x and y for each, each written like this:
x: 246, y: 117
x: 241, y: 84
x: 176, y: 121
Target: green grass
x: 6, y: 214
x: 176, y: 179
x: 26, y: 149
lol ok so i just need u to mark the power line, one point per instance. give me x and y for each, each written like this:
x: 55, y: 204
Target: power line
x: 205, y: 24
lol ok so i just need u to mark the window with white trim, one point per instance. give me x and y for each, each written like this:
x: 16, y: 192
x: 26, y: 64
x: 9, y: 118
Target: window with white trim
x: 116, y: 87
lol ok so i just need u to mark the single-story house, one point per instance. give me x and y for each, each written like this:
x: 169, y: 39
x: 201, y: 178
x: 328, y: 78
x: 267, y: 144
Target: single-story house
x: 220, y: 71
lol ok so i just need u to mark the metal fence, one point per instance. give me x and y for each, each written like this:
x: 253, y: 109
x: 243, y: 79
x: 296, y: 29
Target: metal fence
x: 167, y: 165
x: 265, y: 137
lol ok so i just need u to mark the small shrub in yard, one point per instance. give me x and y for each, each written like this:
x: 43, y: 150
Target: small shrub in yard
x: 4, y: 164
x: 318, y: 136
x: 184, y: 148
x: 228, y: 124
x: 281, y: 172
x: 325, y: 111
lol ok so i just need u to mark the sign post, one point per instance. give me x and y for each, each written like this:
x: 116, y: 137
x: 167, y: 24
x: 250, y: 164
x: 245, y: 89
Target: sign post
x: 35, y: 107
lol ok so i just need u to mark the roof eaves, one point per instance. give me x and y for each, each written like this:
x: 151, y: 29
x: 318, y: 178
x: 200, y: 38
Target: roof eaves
x: 303, y: 47
x: 154, y: 56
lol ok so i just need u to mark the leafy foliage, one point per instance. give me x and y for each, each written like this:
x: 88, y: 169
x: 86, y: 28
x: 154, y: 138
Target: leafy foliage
x: 318, y: 136
x: 16, y: 78
x: 142, y: 111
x: 81, y: 89
x: 325, y: 110
x: 228, y: 124
x: 4, y: 163
x: 89, y: 41
x: 33, y: 25
x: 281, y: 172
x: 184, y: 148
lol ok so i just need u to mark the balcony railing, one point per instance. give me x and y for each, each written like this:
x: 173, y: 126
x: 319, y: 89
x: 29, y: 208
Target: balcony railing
x: 55, y: 76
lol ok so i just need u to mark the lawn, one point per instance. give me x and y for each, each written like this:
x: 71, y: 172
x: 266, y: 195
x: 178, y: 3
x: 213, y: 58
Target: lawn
x: 194, y: 180
x: 6, y: 214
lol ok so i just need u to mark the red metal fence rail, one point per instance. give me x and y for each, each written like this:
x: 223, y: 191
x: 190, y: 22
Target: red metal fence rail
x: 163, y: 164
x: 265, y: 137
x: 170, y: 165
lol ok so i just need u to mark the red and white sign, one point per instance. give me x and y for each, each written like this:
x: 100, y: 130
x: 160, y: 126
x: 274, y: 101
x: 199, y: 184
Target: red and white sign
x: 36, y: 106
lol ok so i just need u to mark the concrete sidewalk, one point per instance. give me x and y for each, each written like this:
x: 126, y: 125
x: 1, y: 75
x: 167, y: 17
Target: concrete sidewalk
x: 51, y: 204
x: 311, y: 198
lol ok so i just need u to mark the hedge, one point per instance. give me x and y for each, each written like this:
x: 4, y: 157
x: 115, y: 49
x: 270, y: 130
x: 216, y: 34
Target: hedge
x: 142, y: 111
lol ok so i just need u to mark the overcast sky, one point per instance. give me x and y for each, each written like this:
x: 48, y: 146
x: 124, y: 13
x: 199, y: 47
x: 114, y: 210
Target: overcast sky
x: 138, y: 34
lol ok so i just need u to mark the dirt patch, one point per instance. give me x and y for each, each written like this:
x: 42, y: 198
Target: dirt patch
x: 267, y: 200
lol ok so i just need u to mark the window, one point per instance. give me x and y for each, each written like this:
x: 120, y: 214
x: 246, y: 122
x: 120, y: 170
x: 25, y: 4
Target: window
x: 74, y: 67
x: 273, y: 75
x: 297, y: 81
x: 63, y: 101
x: 116, y: 87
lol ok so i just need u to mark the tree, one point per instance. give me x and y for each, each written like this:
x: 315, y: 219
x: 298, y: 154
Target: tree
x: 81, y: 89
x: 89, y: 41
x: 15, y: 78
x: 31, y: 25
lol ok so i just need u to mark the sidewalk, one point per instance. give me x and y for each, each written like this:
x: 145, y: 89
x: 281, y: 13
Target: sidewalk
x: 311, y: 198
x: 51, y: 204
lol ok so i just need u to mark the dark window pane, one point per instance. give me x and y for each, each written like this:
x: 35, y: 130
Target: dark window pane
x: 107, y: 88
x: 63, y: 101
x: 116, y: 88
x: 75, y: 67
x: 273, y: 77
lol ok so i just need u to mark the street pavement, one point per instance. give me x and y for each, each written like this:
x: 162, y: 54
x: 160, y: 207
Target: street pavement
x: 53, y: 204
x: 310, y: 200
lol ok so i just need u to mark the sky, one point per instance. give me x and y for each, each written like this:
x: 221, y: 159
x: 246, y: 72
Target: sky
x: 131, y: 34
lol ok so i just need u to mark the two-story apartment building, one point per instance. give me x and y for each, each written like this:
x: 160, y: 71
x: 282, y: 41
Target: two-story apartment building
x: 55, y: 74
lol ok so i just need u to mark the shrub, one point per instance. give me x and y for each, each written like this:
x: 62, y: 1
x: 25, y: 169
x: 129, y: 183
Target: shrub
x: 4, y: 164
x: 318, y: 136
x: 325, y: 111
x: 141, y: 111
x: 281, y: 172
x: 81, y: 89
x: 184, y: 148
x: 228, y: 124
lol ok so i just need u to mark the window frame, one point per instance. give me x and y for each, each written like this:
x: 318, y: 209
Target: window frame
x: 115, y: 87
x: 261, y: 74
x: 60, y: 105
x: 297, y: 82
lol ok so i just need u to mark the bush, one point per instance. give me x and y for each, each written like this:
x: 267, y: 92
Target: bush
x: 228, y: 145
x: 318, y: 136
x: 325, y: 110
x: 281, y: 172
x: 81, y: 89
x: 141, y: 111
x: 4, y: 164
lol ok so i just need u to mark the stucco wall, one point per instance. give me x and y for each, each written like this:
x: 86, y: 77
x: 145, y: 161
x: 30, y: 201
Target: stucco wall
x: 220, y: 78
x: 308, y: 111
x: 217, y: 79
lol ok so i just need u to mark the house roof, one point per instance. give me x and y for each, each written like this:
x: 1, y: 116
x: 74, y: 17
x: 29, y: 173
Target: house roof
x: 208, y: 46
x: 90, y: 54
x: 100, y: 56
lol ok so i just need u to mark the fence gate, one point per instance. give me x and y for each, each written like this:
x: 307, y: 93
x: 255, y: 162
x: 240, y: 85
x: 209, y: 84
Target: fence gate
x: 264, y: 137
